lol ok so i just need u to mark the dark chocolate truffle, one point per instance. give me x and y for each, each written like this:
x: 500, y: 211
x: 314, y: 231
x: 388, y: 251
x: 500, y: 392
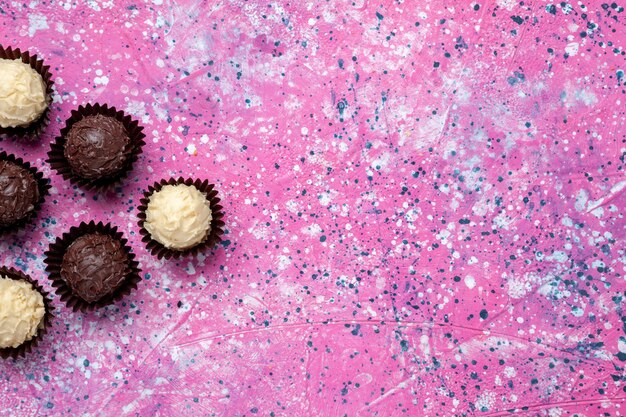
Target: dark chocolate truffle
x: 94, y: 266
x: 95, y: 146
x: 19, y: 192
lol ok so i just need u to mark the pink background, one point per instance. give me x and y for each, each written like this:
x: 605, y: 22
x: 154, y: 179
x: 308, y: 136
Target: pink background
x: 424, y: 208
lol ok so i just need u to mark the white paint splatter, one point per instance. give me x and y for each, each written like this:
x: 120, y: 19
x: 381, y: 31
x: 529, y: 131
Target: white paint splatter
x: 581, y: 200
x: 425, y: 345
x: 572, y: 48
x: 518, y: 288
x: 485, y: 401
x: 507, y: 4
x: 36, y: 22
x: 104, y: 80
x: 312, y: 230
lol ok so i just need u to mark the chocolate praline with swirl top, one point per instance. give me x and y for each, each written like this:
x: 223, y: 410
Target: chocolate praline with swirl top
x: 95, y: 266
x: 95, y: 146
x: 92, y: 266
x: 19, y: 193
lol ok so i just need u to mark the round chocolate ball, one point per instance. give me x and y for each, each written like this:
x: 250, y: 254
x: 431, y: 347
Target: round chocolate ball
x: 94, y: 266
x: 95, y: 147
x: 19, y: 192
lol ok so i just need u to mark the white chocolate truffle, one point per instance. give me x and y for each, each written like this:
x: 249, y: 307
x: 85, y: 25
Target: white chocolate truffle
x: 178, y: 216
x: 21, y: 312
x: 22, y: 94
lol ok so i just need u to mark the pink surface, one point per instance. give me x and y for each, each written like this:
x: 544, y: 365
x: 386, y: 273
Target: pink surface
x: 424, y: 209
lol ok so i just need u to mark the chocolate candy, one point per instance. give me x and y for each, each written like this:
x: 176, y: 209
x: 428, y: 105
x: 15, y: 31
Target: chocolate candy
x: 19, y: 192
x: 95, y: 147
x: 94, y: 266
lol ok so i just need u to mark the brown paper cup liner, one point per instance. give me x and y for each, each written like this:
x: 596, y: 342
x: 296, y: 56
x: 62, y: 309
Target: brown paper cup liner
x: 57, y: 159
x: 42, y: 183
x: 54, y: 258
x: 27, y: 346
x: 33, y: 130
x: 214, y: 237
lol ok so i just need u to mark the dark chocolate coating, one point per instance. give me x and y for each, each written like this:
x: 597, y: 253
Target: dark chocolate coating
x: 95, y: 146
x: 19, y: 193
x: 94, y: 266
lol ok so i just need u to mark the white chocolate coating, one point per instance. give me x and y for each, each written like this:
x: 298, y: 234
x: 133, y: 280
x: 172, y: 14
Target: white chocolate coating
x: 178, y: 216
x: 21, y: 312
x: 22, y: 94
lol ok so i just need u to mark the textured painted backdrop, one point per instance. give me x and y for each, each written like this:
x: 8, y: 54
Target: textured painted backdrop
x: 425, y: 208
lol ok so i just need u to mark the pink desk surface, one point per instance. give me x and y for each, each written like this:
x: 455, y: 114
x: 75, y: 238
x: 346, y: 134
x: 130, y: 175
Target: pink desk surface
x: 424, y: 201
